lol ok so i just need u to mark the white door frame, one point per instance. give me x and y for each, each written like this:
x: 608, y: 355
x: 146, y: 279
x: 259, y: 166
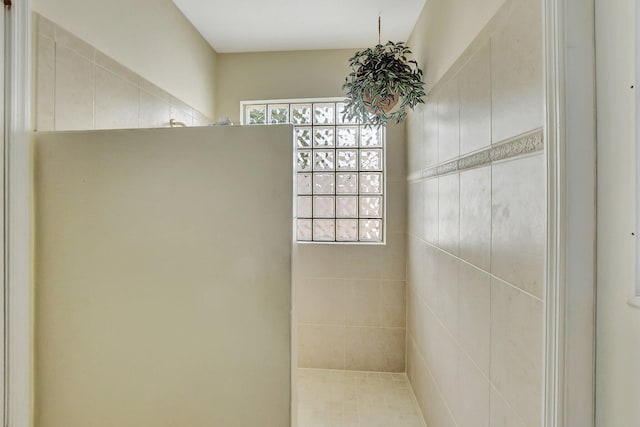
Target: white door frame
x: 569, y: 44
x: 17, y: 217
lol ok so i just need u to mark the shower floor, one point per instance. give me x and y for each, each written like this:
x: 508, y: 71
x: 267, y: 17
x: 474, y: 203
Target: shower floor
x: 329, y: 398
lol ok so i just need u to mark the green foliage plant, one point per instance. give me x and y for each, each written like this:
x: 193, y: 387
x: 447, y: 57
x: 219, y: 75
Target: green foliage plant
x: 380, y: 77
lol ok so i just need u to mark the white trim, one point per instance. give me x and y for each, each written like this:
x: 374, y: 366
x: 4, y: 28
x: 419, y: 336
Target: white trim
x: 570, y: 262
x: 636, y: 288
x: 18, y: 274
x: 554, y: 275
x: 3, y: 359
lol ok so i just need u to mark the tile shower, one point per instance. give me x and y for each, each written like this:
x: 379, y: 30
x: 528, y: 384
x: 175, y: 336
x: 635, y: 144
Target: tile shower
x: 455, y: 297
x: 476, y: 232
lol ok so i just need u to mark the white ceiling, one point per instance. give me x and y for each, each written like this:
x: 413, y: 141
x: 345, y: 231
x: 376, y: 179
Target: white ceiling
x: 275, y: 25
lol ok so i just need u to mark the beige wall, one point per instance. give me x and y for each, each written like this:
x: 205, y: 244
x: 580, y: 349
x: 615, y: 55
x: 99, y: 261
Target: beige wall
x: 476, y: 236
x: 150, y: 37
x: 163, y: 285
x: 274, y: 75
x: 618, y: 323
x: 80, y: 88
x: 350, y: 305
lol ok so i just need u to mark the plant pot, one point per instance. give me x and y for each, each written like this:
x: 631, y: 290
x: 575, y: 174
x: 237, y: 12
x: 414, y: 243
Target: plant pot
x: 385, y: 104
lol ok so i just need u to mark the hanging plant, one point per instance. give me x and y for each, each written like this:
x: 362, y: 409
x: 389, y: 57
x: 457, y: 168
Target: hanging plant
x: 380, y: 78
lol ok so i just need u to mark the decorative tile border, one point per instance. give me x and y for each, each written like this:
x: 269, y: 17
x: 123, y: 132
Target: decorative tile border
x: 518, y: 146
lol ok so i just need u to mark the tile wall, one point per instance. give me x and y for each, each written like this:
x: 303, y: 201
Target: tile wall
x: 80, y: 88
x: 350, y: 299
x: 476, y: 237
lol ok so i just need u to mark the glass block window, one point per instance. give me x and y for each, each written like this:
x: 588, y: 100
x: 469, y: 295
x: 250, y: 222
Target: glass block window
x: 340, y: 180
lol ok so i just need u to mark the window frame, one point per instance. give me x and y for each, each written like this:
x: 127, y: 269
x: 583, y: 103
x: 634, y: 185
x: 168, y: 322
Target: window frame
x: 319, y: 100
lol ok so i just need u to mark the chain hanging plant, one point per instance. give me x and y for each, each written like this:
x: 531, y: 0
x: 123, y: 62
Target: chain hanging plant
x: 379, y: 78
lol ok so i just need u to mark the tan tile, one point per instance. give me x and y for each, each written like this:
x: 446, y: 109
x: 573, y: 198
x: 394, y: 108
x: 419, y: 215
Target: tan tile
x: 363, y: 349
x: 475, y: 315
x: 516, y: 350
x: 200, y: 119
x: 116, y: 68
x: 321, y: 300
x: 474, y: 395
x: 430, y: 201
x: 447, y: 308
x: 67, y: 40
x: 502, y: 415
x: 396, y: 199
x: 116, y: 105
x: 393, y: 349
x: 444, y: 368
x: 74, y: 91
x: 518, y: 222
x: 393, y: 257
x: 430, y: 261
x: 475, y: 102
x: 45, y: 84
x: 318, y: 260
x: 46, y: 28
x: 475, y: 217
x: 362, y: 302
x: 448, y: 122
x: 152, y: 89
x: 414, y: 126
x: 393, y: 302
x: 517, y: 74
x: 358, y: 261
x: 321, y: 346
x: 181, y: 112
x: 415, y: 209
x: 449, y: 213
x: 430, y: 142
x: 154, y: 112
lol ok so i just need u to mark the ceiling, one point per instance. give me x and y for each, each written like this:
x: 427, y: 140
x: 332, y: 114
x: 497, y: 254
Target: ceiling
x: 276, y: 25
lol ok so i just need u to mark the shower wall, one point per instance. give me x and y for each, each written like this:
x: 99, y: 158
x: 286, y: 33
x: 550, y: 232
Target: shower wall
x: 80, y: 88
x: 349, y: 299
x: 477, y: 207
x: 163, y: 277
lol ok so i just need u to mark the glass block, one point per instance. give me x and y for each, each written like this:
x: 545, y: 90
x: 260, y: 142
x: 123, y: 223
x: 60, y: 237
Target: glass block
x: 371, y: 207
x: 348, y: 136
x: 323, y: 137
x: 323, y: 183
x: 347, y: 183
x: 305, y: 183
x: 370, y: 137
x: 371, y: 160
x: 324, y: 114
x: 304, y: 229
x: 278, y: 113
x: 256, y: 114
x: 301, y: 114
x: 346, y: 230
x: 305, y: 207
x: 370, y: 230
x: 303, y: 161
x: 371, y: 182
x: 340, y: 109
x: 323, y: 160
x: 323, y: 207
x: 346, y: 207
x: 302, y: 137
x: 347, y: 160
x: 324, y: 230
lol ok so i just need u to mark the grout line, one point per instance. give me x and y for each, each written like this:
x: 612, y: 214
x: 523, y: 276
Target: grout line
x: 493, y: 276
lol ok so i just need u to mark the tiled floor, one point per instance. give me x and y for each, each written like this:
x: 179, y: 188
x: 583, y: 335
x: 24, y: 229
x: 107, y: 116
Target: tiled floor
x: 355, y: 399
